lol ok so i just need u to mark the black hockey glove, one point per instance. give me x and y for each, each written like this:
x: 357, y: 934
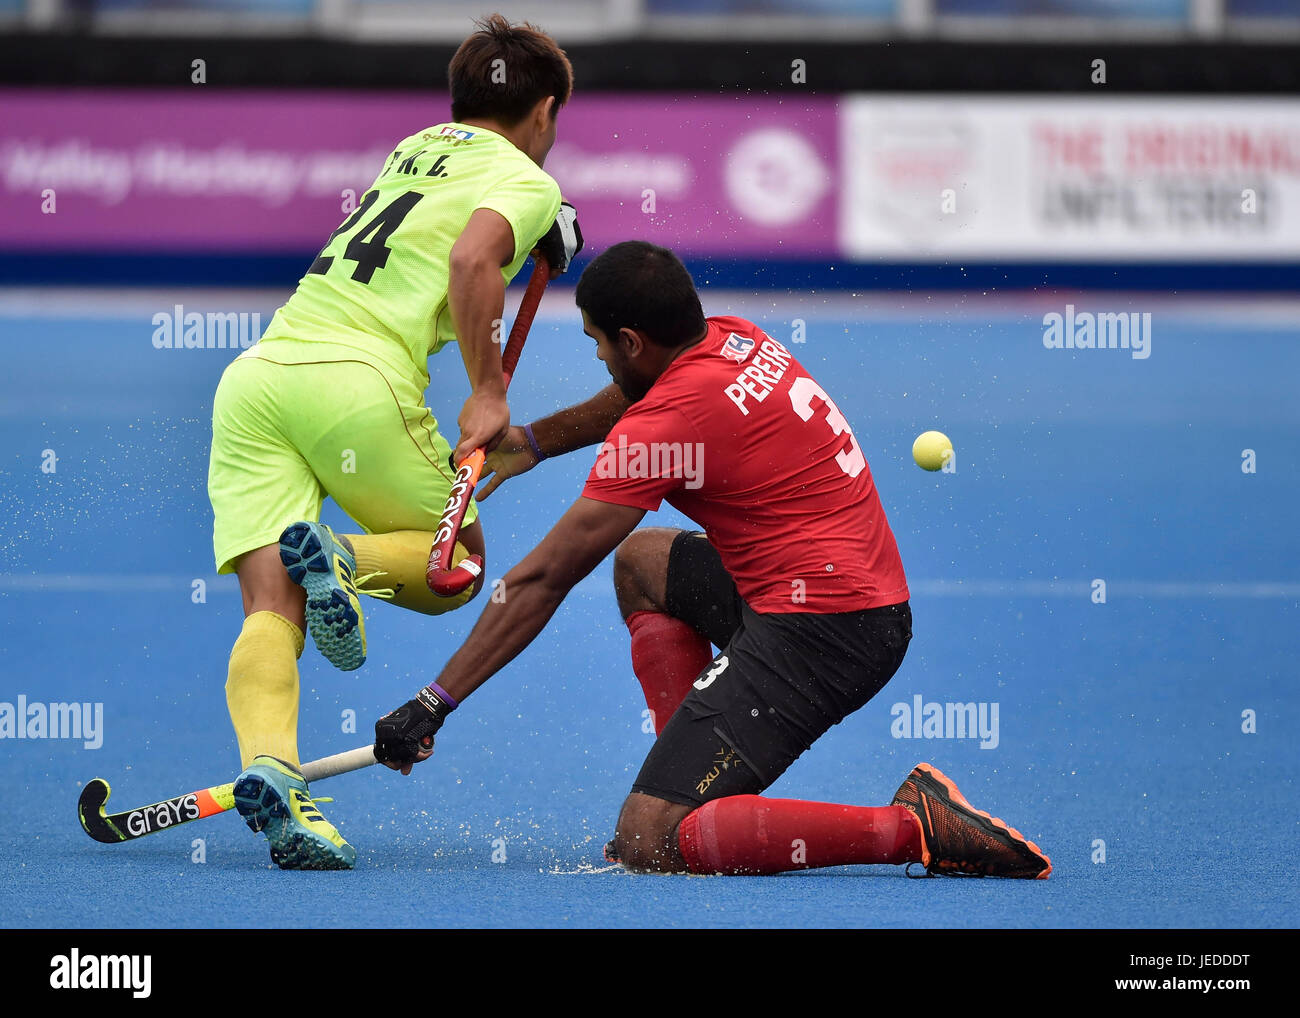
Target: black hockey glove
x: 563, y: 240
x: 401, y: 736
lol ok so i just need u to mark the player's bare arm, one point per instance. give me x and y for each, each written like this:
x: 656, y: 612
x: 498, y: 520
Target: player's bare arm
x: 575, y: 427
x: 579, y: 426
x: 534, y: 588
x: 476, y: 296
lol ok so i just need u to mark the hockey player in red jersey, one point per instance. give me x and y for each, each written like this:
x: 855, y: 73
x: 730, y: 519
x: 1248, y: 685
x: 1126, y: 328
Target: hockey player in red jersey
x: 796, y: 577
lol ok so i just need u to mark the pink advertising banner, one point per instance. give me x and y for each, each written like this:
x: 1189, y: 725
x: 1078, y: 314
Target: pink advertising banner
x: 266, y: 172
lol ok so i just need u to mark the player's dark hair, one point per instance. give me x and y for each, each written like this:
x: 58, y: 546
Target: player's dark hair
x: 636, y: 285
x: 502, y: 71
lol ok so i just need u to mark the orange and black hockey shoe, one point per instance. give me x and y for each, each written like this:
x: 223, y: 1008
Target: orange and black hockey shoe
x: 959, y: 840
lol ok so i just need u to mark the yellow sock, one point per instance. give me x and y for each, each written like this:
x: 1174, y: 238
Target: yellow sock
x: 398, y: 561
x: 262, y: 687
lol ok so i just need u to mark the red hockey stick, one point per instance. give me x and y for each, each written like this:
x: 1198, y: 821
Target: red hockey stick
x: 442, y: 578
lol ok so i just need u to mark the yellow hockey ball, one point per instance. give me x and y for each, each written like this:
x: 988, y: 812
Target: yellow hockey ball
x: 931, y: 450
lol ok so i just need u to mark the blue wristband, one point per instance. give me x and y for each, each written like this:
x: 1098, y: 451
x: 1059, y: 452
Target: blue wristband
x: 532, y: 443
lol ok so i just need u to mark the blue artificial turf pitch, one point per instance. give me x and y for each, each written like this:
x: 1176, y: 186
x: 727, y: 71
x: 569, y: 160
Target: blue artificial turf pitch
x: 1119, y: 722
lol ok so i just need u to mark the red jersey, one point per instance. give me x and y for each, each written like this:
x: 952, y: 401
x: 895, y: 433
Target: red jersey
x: 736, y: 435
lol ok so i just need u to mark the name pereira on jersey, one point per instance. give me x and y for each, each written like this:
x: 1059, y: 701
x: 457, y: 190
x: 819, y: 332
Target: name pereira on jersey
x: 760, y: 376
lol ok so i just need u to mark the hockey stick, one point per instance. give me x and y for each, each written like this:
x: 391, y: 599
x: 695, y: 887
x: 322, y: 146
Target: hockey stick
x: 444, y: 579
x: 112, y: 828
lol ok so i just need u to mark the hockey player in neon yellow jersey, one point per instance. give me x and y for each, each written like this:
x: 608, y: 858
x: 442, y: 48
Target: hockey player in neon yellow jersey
x: 330, y: 402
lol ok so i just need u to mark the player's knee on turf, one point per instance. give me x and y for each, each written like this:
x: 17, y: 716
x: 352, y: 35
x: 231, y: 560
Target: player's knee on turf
x: 646, y: 837
x: 641, y: 570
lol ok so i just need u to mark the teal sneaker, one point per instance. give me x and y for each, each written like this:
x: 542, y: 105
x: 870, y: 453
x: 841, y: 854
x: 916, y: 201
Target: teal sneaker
x: 325, y: 567
x: 272, y: 798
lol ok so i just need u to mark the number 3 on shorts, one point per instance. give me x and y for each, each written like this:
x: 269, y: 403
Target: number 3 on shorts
x: 717, y: 668
x: 806, y: 396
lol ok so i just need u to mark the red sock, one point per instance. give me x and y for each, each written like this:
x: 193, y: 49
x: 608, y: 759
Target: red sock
x: 667, y: 656
x: 750, y: 834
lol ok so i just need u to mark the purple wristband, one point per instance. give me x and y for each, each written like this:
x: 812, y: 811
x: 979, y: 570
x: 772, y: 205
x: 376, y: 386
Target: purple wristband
x: 443, y: 695
x: 532, y: 443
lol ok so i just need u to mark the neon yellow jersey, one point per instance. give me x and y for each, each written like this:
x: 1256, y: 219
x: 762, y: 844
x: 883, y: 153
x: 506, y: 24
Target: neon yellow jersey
x: 379, y: 286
